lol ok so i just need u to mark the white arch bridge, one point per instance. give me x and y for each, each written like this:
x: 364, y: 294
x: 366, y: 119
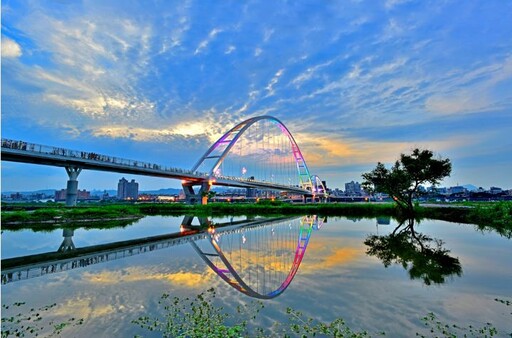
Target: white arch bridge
x: 258, y: 154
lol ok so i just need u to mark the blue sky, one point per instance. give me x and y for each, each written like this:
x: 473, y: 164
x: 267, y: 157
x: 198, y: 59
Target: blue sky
x: 356, y: 82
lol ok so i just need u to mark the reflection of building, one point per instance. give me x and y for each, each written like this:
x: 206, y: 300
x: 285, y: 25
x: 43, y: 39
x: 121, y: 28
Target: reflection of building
x: 60, y: 195
x: 127, y: 190
x: 384, y: 220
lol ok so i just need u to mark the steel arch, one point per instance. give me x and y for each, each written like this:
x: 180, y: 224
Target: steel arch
x: 230, y: 276
x: 318, y: 186
x: 232, y: 136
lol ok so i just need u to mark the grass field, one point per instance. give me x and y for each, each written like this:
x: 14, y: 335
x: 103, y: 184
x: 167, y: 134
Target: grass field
x: 495, y: 215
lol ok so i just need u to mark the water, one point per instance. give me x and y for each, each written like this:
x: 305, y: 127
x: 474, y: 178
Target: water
x: 458, y: 281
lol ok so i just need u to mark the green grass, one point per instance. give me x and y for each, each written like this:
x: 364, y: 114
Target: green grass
x: 496, y: 215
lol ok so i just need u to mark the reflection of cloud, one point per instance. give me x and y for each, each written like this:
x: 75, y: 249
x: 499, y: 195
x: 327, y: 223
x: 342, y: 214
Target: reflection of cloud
x: 325, y: 253
x: 84, y: 308
x: 136, y: 274
x: 190, y: 279
x: 340, y: 257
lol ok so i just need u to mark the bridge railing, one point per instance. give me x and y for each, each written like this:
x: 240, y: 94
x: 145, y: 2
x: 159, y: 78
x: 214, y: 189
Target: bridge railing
x: 243, y: 179
x: 49, y: 150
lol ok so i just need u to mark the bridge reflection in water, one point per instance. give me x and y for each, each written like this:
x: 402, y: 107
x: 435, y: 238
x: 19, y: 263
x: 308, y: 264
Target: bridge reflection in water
x: 257, y: 256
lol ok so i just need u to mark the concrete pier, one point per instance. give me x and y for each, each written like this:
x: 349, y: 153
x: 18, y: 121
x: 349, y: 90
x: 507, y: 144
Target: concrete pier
x: 201, y: 196
x: 72, y: 186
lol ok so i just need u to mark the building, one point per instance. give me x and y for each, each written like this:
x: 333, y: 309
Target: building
x: 495, y: 190
x: 457, y: 190
x: 251, y: 192
x: 127, y: 190
x: 82, y: 195
x: 352, y: 189
x: 16, y: 196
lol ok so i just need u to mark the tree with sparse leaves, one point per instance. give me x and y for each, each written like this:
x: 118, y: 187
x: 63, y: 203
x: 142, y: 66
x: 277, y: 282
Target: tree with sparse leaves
x: 403, y: 179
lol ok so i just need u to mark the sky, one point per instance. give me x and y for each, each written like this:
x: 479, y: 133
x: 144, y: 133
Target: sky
x: 356, y: 82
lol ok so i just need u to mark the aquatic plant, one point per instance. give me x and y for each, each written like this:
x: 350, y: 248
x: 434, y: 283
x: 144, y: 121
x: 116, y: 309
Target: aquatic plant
x: 31, y: 322
x: 198, y: 317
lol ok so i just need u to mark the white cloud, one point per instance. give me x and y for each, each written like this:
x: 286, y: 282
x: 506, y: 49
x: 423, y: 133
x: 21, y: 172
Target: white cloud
x: 310, y: 73
x: 211, y: 36
x: 230, y: 49
x: 340, y: 150
x: 179, y: 26
x: 98, y: 62
x: 356, y: 71
x: 273, y: 82
x: 393, y: 3
x: 243, y: 109
x: 388, y: 68
x: 10, y: 48
x: 461, y: 102
x: 209, y: 127
x: 471, y: 91
x: 392, y: 30
x: 268, y: 34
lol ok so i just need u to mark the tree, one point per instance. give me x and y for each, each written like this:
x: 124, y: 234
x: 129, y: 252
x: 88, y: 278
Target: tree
x: 402, y: 181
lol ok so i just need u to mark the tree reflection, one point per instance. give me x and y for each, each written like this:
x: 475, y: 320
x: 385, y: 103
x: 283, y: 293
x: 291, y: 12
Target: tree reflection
x: 424, y: 257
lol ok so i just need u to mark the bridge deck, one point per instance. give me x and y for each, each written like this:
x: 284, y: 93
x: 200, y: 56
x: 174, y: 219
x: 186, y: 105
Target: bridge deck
x: 23, y: 152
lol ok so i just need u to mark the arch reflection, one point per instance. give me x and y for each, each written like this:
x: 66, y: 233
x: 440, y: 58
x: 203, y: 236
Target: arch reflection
x: 259, y: 262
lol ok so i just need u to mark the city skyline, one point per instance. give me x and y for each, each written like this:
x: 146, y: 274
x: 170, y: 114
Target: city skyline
x: 356, y: 82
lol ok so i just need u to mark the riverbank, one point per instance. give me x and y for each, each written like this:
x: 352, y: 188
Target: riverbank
x: 495, y: 215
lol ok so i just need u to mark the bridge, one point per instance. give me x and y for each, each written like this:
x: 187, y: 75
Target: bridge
x: 259, y: 153
x: 258, y: 257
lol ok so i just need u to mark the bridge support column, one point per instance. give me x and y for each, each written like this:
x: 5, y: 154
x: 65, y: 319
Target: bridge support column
x: 204, y: 222
x: 201, y: 196
x: 72, y: 186
x: 67, y: 243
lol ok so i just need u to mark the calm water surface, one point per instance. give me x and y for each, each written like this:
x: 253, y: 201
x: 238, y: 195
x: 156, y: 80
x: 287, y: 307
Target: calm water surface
x: 450, y: 269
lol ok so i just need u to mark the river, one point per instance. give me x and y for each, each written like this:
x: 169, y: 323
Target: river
x: 377, y: 275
